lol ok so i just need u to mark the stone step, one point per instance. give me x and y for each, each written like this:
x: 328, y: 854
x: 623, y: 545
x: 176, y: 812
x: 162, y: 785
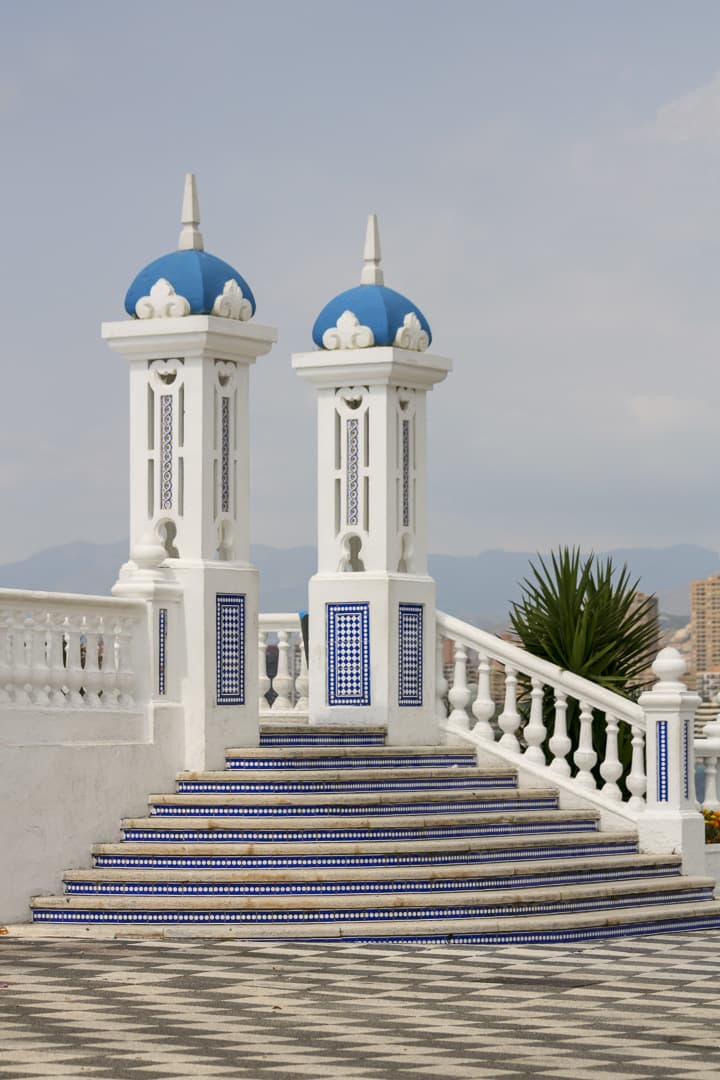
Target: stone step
x: 410, y: 879
x: 308, y: 829
x: 344, y: 854
x: 564, y: 929
x: 352, y: 803
x: 390, y: 908
x: 339, y: 780
x: 347, y: 757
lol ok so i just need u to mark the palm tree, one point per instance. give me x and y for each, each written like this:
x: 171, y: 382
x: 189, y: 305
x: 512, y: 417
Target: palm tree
x: 589, y: 618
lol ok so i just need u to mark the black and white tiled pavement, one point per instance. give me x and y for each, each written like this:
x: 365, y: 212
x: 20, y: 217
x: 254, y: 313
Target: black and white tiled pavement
x: 630, y: 1009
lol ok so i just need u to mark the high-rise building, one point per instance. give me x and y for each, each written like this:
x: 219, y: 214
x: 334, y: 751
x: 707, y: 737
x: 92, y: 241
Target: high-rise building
x: 705, y: 623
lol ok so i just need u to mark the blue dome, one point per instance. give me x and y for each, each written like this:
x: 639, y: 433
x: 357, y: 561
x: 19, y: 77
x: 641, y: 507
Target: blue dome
x: 376, y: 306
x: 196, y: 275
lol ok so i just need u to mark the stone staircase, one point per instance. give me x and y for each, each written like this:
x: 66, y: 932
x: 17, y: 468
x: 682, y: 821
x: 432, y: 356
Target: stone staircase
x: 330, y: 833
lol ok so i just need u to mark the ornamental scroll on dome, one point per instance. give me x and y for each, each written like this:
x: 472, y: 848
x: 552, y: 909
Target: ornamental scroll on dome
x: 162, y: 303
x: 411, y: 334
x: 348, y: 334
x: 231, y: 304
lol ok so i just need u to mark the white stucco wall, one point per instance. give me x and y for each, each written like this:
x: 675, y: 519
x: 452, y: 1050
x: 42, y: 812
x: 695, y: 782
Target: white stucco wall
x: 63, y: 796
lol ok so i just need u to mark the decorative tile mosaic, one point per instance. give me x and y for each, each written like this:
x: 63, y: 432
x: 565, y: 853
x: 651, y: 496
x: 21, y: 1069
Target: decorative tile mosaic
x: 353, y: 471
x: 340, y: 861
x: 162, y: 650
x: 166, y: 452
x: 475, y: 806
x: 410, y: 654
x: 412, y: 761
x: 379, y: 885
x: 321, y: 740
x: 225, y: 456
x: 391, y: 914
x: 199, y: 787
x: 662, y: 760
x: 348, y: 654
x: 406, y: 473
x: 230, y: 648
x: 398, y: 832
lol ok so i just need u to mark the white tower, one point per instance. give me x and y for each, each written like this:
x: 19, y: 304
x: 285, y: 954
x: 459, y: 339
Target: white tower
x: 190, y: 345
x: 372, y: 603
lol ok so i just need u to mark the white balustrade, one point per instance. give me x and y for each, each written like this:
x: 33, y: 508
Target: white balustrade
x: 536, y: 699
x: 64, y: 651
x: 707, y: 754
x: 285, y: 695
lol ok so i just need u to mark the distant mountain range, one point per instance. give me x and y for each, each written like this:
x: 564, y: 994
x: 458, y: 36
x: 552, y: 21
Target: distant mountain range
x: 479, y: 588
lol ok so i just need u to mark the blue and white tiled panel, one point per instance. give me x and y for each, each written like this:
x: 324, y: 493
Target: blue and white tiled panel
x: 230, y: 641
x: 348, y: 653
x: 162, y: 652
x: 392, y: 914
x: 369, y: 887
x: 410, y: 655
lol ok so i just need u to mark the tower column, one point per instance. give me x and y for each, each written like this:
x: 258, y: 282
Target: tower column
x: 372, y: 602
x: 190, y: 348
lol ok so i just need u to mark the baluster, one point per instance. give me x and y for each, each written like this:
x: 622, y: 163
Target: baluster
x: 441, y: 683
x: 302, y: 682
x: 459, y: 695
x: 55, y: 660
x: 535, y: 731
x: 509, y: 719
x: 483, y: 706
x: 263, y: 681
x: 92, y: 676
x: 125, y: 676
x: 710, y: 800
x: 37, y: 653
x: 107, y: 656
x: 560, y: 744
x: 282, y: 683
x: 5, y: 659
x: 637, y: 780
x: 585, y: 756
x: 73, y: 660
x: 20, y: 660
x: 611, y: 769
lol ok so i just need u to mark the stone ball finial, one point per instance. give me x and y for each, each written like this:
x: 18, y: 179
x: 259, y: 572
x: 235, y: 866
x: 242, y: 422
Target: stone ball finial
x: 669, y: 667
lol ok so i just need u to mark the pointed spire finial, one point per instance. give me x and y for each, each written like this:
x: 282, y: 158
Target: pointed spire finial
x: 371, y: 272
x: 190, y: 236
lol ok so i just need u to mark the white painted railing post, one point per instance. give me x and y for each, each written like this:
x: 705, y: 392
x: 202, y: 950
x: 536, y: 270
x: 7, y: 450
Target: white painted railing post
x: 441, y: 683
x: 302, y: 682
x: 483, y: 706
x: 263, y: 680
x: 671, y: 821
x: 283, y: 681
x: 459, y: 695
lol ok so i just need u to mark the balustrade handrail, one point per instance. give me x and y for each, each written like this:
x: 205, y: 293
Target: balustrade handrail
x: 495, y: 648
x: 29, y: 597
x: 272, y: 621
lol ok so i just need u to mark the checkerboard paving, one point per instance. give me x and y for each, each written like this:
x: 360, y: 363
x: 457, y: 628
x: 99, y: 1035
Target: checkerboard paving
x: 627, y: 1009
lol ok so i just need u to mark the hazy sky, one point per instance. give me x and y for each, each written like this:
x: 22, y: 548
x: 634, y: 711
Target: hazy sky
x: 547, y: 175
